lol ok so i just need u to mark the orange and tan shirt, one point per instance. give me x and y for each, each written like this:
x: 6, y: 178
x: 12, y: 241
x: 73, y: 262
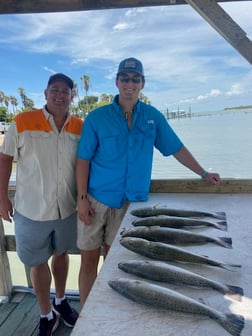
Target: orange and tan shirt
x: 45, y: 175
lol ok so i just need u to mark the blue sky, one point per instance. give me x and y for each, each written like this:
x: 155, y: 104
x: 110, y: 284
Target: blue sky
x: 187, y: 63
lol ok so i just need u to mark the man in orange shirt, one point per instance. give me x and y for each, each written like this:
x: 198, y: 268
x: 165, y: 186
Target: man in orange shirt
x: 44, y: 142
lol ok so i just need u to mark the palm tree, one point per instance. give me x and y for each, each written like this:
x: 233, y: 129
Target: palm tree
x: 75, y: 90
x: 104, y: 97
x: 1, y: 97
x: 6, y: 101
x: 75, y: 93
x: 144, y: 99
x: 86, y: 84
x: 28, y: 103
x: 75, y: 110
x: 22, y: 95
x: 14, y: 103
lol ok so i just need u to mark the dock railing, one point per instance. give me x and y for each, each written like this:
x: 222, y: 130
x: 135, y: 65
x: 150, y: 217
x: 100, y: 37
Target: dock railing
x: 8, y: 244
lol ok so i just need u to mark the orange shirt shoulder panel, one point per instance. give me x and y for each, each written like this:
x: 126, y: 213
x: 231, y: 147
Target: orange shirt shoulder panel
x: 74, y: 125
x: 32, y: 121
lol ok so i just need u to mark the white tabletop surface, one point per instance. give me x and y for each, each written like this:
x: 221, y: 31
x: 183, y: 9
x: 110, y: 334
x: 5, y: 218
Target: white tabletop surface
x: 108, y: 313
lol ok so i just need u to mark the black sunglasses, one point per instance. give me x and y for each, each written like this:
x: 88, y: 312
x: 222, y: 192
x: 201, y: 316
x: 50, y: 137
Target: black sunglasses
x: 126, y: 79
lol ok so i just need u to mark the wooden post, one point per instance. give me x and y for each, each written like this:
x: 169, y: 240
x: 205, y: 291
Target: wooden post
x: 5, y: 273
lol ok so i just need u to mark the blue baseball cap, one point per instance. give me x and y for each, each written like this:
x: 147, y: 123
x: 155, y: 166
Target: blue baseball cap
x: 131, y: 65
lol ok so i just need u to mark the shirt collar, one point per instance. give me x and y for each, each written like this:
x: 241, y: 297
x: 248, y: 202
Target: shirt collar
x: 118, y: 108
x: 48, y: 115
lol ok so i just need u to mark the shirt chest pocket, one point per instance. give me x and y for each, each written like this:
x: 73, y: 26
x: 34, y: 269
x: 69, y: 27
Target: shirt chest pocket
x: 37, y: 140
x: 31, y: 143
x: 110, y: 144
x: 145, y: 136
x: 39, y: 135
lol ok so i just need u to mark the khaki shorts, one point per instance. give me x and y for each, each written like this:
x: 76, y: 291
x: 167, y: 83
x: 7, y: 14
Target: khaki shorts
x: 103, y: 228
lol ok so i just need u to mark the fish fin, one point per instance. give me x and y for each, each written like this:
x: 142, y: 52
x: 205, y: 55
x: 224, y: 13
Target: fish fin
x: 220, y: 215
x: 234, y: 292
x: 201, y: 301
x: 233, y: 324
x: 221, y: 225
x: 225, y: 242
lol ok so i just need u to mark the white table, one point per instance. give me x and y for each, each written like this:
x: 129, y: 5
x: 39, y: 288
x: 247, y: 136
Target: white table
x: 108, y: 313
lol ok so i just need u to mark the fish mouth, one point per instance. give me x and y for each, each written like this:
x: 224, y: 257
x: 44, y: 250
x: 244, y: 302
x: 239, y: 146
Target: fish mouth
x: 122, y: 232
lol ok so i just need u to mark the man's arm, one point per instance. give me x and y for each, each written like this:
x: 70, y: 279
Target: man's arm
x: 82, y: 174
x: 6, y: 209
x: 188, y: 160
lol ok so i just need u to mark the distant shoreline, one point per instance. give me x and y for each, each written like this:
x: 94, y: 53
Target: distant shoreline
x: 238, y: 108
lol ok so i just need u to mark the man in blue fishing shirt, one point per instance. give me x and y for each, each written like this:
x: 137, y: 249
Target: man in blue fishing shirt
x: 114, y: 163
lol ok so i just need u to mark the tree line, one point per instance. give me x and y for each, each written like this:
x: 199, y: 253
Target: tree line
x: 11, y: 106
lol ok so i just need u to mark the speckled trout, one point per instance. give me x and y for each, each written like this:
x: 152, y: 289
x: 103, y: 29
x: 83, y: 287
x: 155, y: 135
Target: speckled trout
x: 175, y: 236
x: 178, y: 222
x: 163, y: 272
x: 155, y: 211
x: 167, y: 252
x: 164, y: 298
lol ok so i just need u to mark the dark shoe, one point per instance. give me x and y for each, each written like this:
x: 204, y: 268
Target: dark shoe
x: 47, y: 328
x: 68, y: 314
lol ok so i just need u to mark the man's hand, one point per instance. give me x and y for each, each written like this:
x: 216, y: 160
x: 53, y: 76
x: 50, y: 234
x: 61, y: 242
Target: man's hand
x: 85, y: 211
x: 213, y: 178
x: 6, y: 210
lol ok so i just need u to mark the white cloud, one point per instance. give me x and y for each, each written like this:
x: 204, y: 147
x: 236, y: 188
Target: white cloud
x: 214, y: 93
x: 235, y: 90
x: 51, y: 71
x: 121, y: 26
x: 199, y: 98
x: 186, y: 61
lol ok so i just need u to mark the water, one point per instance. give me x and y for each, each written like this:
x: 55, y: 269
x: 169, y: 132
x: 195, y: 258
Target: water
x: 220, y: 141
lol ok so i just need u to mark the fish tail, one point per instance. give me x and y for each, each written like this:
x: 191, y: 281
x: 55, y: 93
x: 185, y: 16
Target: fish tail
x: 230, y: 267
x: 234, y: 292
x: 225, y: 242
x: 220, y: 215
x: 233, y: 324
x: 221, y: 225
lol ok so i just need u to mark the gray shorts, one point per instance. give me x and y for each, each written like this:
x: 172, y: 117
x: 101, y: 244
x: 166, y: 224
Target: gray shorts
x: 103, y: 228
x: 36, y: 241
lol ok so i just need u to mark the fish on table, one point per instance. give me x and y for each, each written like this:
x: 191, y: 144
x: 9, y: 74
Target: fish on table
x: 178, y: 222
x: 164, y: 272
x: 156, y: 211
x: 157, y: 296
x: 175, y: 236
x: 167, y: 252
